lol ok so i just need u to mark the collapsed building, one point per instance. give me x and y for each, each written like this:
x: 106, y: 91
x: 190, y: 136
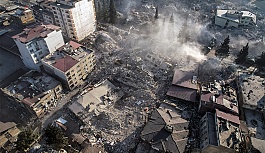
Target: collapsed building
x: 101, y: 96
x: 219, y: 132
x: 218, y: 96
x: 8, y: 135
x: 252, y: 97
x: 166, y: 130
x: 70, y: 63
x: 35, y: 91
x: 234, y: 18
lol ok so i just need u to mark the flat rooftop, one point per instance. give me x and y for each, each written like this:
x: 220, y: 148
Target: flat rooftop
x: 31, y: 86
x: 67, y: 56
x: 36, y: 31
x: 103, y: 95
x: 253, y: 90
x: 235, y: 14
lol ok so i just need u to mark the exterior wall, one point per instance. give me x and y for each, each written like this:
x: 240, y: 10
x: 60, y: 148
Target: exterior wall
x: 28, y: 17
x: 84, y: 18
x: 80, y: 71
x: 47, y: 101
x: 77, y: 22
x: 221, y: 22
x: 48, y: 18
x: 26, y: 56
x: 54, y: 40
x: 55, y: 72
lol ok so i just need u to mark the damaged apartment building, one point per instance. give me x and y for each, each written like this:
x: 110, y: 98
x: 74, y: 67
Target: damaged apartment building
x: 219, y: 132
x: 100, y: 96
x: 70, y: 63
x: 252, y: 98
x: 166, y: 130
x: 35, y: 91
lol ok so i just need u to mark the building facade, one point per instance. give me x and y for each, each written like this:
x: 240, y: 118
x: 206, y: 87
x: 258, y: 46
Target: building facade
x: 219, y: 133
x: 71, y: 64
x: 77, y: 18
x: 234, y: 18
x: 37, y: 42
x: 35, y: 91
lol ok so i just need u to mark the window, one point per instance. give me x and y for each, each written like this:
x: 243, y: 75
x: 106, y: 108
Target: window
x: 68, y: 73
x: 40, y: 52
x: 34, y: 55
x: 31, y: 51
x: 58, y: 89
x: 29, y: 45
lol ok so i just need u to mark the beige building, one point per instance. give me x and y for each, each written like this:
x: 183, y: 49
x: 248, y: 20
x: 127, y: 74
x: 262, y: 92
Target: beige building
x: 71, y: 64
x: 36, y: 91
x: 23, y: 16
x: 77, y: 18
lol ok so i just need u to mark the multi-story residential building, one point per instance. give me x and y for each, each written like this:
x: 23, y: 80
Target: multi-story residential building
x: 234, y: 18
x: 219, y: 133
x: 36, y: 42
x: 23, y: 16
x: 71, y: 64
x: 35, y: 91
x: 77, y: 18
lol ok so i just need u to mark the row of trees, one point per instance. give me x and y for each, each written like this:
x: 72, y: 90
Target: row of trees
x: 242, y: 57
x: 54, y: 137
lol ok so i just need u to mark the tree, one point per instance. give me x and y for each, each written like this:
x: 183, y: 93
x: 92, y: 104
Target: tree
x: 112, y: 12
x: 156, y: 14
x: 25, y: 139
x: 223, y: 50
x: 242, y: 55
x: 171, y: 20
x: 184, y: 35
x: 55, y: 137
x: 260, y: 61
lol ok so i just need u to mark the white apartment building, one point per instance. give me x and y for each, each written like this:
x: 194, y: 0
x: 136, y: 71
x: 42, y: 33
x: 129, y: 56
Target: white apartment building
x: 234, y: 18
x: 36, y: 42
x: 77, y: 18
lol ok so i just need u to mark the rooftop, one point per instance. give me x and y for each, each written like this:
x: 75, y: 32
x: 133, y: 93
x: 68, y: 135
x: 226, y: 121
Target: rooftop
x: 184, y: 85
x: 5, y: 126
x: 39, y: 31
x: 166, y: 130
x: 31, y: 86
x: 186, y: 79
x: 67, y: 56
x: 228, y: 130
x: 100, y: 96
x: 234, y: 15
x: 253, y: 90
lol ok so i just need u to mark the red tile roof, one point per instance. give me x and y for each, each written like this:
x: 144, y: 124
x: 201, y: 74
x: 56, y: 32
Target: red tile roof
x: 35, y: 32
x: 182, y: 78
x: 65, y: 63
x: 227, y: 116
x: 182, y: 93
x: 74, y: 44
